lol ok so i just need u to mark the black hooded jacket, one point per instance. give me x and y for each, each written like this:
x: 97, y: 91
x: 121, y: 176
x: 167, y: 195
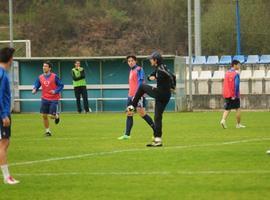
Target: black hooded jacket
x: 163, y: 78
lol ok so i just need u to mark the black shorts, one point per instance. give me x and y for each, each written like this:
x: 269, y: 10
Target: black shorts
x: 5, y: 132
x: 141, y: 103
x: 230, y: 103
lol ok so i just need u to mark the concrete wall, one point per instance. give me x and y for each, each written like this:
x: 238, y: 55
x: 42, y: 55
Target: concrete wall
x: 249, y: 102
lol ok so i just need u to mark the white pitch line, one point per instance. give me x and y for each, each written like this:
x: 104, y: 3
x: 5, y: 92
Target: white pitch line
x: 75, y: 156
x: 218, y: 144
x: 94, y: 173
x: 56, y: 139
x: 211, y: 172
x: 135, y: 150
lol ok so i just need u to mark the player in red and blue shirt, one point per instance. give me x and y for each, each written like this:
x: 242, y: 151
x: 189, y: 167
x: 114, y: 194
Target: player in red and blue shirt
x: 50, y: 95
x: 136, y: 78
x: 231, y: 94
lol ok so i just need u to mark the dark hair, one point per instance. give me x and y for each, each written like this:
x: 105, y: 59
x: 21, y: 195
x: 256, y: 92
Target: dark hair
x: 132, y: 56
x: 160, y: 61
x: 48, y: 63
x: 235, y: 62
x: 156, y: 56
x: 6, y: 54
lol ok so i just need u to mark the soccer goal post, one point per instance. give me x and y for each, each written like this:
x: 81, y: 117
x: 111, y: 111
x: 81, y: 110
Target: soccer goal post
x: 22, y: 47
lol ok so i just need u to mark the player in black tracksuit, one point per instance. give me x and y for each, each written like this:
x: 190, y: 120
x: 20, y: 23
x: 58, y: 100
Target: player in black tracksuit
x: 161, y: 93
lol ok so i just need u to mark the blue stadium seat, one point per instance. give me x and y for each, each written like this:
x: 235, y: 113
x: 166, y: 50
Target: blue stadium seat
x: 224, y: 60
x: 240, y: 58
x: 253, y: 59
x: 187, y: 59
x: 265, y: 59
x: 212, y: 60
x: 199, y: 60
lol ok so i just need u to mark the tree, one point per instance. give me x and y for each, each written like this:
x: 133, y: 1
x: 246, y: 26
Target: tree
x: 218, y: 27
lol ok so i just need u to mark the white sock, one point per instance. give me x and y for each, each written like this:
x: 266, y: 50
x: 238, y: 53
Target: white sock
x: 157, y: 139
x: 48, y: 130
x: 5, y: 171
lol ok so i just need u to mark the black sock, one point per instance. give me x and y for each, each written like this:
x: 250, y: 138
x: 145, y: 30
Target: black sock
x: 149, y: 121
x: 129, y: 124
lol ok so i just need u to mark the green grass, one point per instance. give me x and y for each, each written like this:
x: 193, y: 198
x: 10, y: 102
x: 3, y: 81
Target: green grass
x: 195, y: 163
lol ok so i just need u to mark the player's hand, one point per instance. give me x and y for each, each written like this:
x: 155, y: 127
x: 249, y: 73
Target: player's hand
x: 152, y: 78
x: 52, y: 92
x: 233, y: 98
x: 6, y: 122
x: 34, y: 91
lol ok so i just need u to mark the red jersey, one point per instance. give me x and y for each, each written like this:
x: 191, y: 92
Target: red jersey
x: 136, y: 78
x: 48, y: 84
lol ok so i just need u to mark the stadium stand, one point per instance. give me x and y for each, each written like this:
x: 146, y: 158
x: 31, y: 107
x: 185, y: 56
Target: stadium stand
x: 245, y: 77
x: 218, y: 75
x: 194, y: 75
x: 257, y: 81
x: 203, y: 80
x: 252, y: 59
x: 241, y: 58
x: 212, y: 60
x: 199, y: 60
x: 267, y: 83
x: 187, y: 59
x: 225, y: 60
x: 217, y: 79
x: 265, y: 59
x: 205, y: 75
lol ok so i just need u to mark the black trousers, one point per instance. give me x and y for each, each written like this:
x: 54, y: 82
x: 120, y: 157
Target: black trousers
x: 161, y: 101
x: 81, y: 91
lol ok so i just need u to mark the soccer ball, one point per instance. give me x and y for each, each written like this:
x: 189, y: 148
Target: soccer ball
x: 130, y: 108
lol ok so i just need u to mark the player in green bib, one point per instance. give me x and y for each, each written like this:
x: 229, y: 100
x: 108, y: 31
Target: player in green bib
x: 79, y: 84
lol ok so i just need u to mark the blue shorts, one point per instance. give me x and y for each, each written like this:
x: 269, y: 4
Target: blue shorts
x: 141, y: 103
x: 49, y: 107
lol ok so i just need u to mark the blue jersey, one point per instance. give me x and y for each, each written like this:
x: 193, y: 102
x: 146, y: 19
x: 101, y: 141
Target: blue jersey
x: 5, y: 94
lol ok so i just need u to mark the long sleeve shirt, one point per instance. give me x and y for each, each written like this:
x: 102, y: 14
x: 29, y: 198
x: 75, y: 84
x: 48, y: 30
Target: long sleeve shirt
x: 5, y: 94
x: 163, y: 78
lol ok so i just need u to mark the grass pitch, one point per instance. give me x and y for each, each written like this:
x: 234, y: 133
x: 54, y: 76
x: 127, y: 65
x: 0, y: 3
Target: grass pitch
x: 84, y: 160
